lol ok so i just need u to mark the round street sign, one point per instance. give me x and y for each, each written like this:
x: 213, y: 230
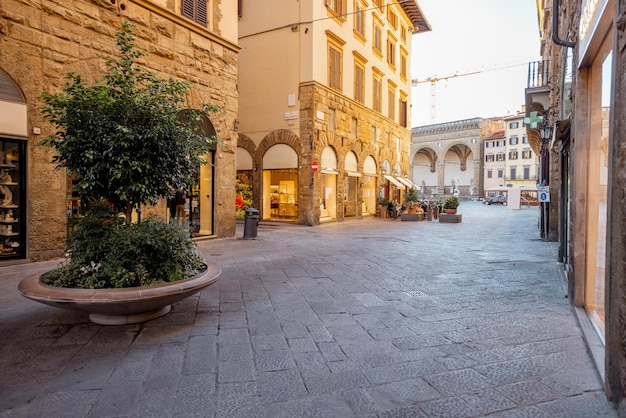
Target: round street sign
x: 314, y: 166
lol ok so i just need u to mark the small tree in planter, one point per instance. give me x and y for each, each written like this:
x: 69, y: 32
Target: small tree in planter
x: 129, y: 141
x: 412, y: 198
x: 451, y: 204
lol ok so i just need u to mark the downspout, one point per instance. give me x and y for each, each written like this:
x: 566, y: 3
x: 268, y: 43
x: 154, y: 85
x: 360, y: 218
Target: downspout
x: 555, y: 27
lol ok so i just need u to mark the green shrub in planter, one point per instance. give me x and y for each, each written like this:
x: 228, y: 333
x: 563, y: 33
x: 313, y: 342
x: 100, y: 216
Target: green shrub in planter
x: 451, y: 202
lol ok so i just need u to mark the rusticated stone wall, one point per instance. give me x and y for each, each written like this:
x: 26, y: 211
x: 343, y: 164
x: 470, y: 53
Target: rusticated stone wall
x: 42, y: 40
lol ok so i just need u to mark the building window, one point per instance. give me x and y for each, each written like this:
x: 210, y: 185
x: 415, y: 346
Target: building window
x: 488, y: 144
x: 377, y: 44
x: 526, y: 172
x: 513, y: 125
x: 332, y: 120
x: 404, y: 114
x: 513, y: 140
x: 196, y: 10
x: 377, y: 99
x: 524, y: 140
x: 500, y: 173
x: 391, y: 50
x: 359, y: 83
x: 334, y: 68
x: 336, y: 6
x: 359, y: 18
x: 512, y: 155
x: 392, y: 18
x: 391, y: 103
x: 513, y: 173
x: 526, y: 155
x: 489, y: 174
x: 489, y: 158
x: 354, y: 125
x: 378, y: 3
x: 502, y: 143
x: 240, y: 8
x: 500, y: 157
x: 403, y: 32
x: 404, y: 64
x: 374, y: 137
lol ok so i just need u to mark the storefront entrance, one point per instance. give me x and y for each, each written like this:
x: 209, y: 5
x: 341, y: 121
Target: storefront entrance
x: 280, y: 184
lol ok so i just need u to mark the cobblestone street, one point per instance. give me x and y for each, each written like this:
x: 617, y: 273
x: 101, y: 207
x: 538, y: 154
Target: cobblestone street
x: 371, y: 318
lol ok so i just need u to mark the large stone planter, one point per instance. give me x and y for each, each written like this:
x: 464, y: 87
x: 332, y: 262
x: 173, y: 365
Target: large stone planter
x: 119, y: 306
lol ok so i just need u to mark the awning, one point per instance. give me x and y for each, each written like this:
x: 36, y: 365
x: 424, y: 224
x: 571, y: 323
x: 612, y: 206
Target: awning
x: 408, y: 183
x: 395, y: 182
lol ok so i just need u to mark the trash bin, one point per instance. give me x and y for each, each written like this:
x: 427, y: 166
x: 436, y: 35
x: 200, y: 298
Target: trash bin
x: 251, y: 223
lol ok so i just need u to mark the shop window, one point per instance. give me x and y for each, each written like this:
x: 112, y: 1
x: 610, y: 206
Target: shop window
x: 12, y: 199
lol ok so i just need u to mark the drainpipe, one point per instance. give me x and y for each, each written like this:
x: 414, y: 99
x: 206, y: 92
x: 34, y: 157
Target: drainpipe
x: 555, y: 27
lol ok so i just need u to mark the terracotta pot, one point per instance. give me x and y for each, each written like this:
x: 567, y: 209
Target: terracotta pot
x: 119, y: 306
x: 450, y: 211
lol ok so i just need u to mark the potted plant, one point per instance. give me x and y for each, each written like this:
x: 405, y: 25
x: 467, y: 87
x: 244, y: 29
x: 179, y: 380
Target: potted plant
x: 382, y: 206
x: 411, y: 199
x: 451, y: 204
x: 128, y: 141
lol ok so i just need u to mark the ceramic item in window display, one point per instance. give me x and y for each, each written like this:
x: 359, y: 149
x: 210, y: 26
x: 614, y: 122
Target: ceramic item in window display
x: 8, y: 196
x: 9, y: 216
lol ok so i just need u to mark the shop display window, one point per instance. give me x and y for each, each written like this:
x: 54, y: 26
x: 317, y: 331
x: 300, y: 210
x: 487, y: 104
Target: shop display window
x: 12, y: 202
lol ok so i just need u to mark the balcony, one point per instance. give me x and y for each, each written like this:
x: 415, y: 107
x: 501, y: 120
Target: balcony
x: 537, y: 86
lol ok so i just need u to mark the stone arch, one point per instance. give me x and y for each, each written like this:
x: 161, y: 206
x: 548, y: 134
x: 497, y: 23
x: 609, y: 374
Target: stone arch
x: 245, y: 142
x: 280, y: 136
x: 463, y: 152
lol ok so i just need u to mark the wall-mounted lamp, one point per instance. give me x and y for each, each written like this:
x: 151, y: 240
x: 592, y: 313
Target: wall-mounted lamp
x: 545, y: 133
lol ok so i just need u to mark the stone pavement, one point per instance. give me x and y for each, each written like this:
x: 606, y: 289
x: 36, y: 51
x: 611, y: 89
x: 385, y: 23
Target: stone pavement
x: 372, y: 318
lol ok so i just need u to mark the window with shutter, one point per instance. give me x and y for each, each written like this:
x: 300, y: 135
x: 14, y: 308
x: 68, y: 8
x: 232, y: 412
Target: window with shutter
x: 196, y: 10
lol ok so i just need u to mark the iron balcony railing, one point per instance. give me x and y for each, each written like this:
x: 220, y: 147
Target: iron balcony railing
x: 538, y: 74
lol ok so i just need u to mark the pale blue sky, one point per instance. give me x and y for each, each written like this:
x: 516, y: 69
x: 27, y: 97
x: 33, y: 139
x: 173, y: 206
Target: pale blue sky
x: 468, y: 36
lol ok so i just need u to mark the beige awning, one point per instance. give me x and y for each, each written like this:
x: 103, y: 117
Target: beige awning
x: 408, y: 183
x: 395, y: 182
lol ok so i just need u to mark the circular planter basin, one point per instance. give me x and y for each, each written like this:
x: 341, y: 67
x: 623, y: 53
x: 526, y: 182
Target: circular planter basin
x: 119, y: 306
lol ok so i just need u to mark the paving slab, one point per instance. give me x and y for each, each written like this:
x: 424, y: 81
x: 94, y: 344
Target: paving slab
x: 363, y: 318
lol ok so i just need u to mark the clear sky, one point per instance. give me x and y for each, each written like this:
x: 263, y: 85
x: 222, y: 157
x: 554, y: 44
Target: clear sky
x: 496, y: 37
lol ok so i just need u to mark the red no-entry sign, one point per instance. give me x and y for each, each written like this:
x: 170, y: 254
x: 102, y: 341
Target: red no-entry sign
x: 314, y: 166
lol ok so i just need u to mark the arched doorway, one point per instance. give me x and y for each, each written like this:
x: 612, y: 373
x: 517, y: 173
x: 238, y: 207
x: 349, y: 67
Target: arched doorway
x: 200, y: 199
x: 245, y: 167
x: 353, y: 175
x: 280, y: 183
x: 13, y: 136
x: 328, y: 205
x: 370, y: 176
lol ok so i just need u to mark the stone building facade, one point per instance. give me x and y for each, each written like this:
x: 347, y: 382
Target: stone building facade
x: 449, y: 155
x: 579, y: 89
x: 324, y: 131
x: 43, y: 40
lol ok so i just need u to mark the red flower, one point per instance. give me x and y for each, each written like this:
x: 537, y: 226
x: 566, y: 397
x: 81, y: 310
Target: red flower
x: 239, y: 203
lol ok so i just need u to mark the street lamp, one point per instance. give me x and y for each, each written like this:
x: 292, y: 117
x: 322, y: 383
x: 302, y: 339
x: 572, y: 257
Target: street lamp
x: 545, y: 133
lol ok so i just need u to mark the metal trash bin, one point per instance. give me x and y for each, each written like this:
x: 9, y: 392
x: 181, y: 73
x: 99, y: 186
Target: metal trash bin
x: 251, y: 223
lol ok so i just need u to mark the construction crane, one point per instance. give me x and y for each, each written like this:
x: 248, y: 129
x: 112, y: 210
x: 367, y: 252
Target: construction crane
x: 433, y: 80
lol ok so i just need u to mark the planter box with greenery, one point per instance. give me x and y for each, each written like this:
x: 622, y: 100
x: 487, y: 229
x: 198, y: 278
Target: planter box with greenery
x: 128, y: 140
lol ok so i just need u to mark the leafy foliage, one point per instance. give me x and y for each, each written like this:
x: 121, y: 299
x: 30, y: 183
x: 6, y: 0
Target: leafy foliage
x: 245, y: 191
x: 451, y: 202
x: 128, y: 140
x: 412, y: 196
x: 103, y: 252
x: 128, y: 137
